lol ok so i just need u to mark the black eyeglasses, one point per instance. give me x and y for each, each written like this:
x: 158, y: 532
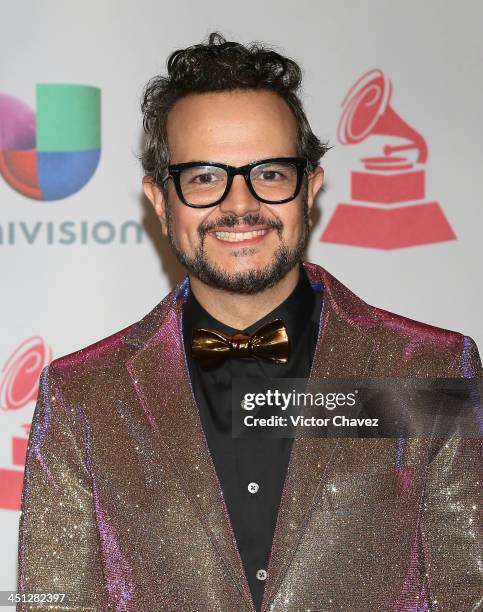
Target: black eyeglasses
x: 202, y: 184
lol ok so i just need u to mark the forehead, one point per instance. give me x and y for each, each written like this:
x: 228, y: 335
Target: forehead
x: 233, y: 127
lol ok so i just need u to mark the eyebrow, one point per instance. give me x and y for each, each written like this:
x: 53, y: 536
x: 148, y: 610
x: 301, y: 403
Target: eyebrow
x: 213, y: 161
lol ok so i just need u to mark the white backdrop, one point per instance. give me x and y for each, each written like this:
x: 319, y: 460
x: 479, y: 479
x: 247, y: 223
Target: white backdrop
x: 58, y: 297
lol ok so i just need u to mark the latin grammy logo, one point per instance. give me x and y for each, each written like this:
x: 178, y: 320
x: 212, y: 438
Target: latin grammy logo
x: 388, y: 209
x: 19, y: 386
x: 11, y: 478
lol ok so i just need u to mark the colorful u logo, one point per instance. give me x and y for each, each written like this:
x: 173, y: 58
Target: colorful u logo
x: 53, y: 154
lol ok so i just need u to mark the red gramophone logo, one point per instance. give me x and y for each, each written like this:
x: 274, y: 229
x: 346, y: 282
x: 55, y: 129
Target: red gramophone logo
x: 18, y: 390
x: 389, y: 209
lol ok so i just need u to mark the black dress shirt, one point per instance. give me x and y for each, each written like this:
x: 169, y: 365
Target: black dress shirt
x: 251, y: 471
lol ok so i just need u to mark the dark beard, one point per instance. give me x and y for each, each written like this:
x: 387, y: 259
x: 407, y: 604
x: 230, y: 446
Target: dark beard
x: 251, y: 281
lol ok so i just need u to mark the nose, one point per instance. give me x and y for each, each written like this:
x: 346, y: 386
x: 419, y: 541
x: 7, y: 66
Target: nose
x: 239, y: 199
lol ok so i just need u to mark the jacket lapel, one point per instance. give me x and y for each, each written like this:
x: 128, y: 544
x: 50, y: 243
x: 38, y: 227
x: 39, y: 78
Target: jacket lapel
x: 160, y: 376
x: 343, y: 350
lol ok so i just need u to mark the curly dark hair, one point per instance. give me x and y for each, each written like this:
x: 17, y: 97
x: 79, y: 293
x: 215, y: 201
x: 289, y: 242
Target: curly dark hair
x: 220, y: 65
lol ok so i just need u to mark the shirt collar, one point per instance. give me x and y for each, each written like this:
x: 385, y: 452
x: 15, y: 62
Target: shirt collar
x: 295, y: 311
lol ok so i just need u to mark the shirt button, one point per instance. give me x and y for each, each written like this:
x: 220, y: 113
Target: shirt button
x: 253, y: 487
x: 261, y: 574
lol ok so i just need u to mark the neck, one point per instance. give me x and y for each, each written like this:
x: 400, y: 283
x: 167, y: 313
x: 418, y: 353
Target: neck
x: 240, y: 310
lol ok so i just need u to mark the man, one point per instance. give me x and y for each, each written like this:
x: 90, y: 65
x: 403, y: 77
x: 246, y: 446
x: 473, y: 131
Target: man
x: 136, y: 494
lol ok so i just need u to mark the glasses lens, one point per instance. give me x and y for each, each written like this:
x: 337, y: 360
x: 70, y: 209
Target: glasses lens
x: 203, y: 184
x: 274, y: 181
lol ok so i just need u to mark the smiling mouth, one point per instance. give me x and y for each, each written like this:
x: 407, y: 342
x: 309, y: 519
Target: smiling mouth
x: 233, y: 236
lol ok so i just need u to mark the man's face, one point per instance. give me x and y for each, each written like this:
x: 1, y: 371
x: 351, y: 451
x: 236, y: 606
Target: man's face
x: 235, y: 128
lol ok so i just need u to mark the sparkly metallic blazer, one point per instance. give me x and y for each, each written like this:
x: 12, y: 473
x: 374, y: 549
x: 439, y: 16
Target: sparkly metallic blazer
x: 122, y: 508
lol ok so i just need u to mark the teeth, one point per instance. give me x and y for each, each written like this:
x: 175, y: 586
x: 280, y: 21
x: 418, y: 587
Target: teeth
x: 236, y: 236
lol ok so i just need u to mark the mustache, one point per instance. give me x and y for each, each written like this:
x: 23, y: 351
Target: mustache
x: 233, y: 220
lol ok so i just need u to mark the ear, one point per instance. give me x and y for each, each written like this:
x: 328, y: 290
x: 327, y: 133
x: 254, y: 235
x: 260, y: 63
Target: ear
x: 156, y: 197
x: 314, y: 185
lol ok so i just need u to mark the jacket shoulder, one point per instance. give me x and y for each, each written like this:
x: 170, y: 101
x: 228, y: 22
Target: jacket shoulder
x: 436, y: 351
x: 412, y: 327
x: 100, y: 354
x: 405, y: 347
x: 117, y: 347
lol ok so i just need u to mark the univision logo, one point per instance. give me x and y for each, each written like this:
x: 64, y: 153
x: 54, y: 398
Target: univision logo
x: 53, y: 154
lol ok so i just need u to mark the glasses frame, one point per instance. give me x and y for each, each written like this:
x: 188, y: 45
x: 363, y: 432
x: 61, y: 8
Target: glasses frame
x: 174, y: 172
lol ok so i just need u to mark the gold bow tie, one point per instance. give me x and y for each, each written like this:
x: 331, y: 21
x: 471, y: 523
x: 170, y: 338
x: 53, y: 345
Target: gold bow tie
x: 270, y: 341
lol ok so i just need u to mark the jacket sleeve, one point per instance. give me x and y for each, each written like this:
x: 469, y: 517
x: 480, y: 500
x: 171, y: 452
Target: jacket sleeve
x: 59, y: 550
x: 452, y: 540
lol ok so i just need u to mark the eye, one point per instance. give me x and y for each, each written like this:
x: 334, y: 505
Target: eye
x: 269, y: 175
x: 273, y: 172
x: 205, y: 177
x: 202, y: 176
